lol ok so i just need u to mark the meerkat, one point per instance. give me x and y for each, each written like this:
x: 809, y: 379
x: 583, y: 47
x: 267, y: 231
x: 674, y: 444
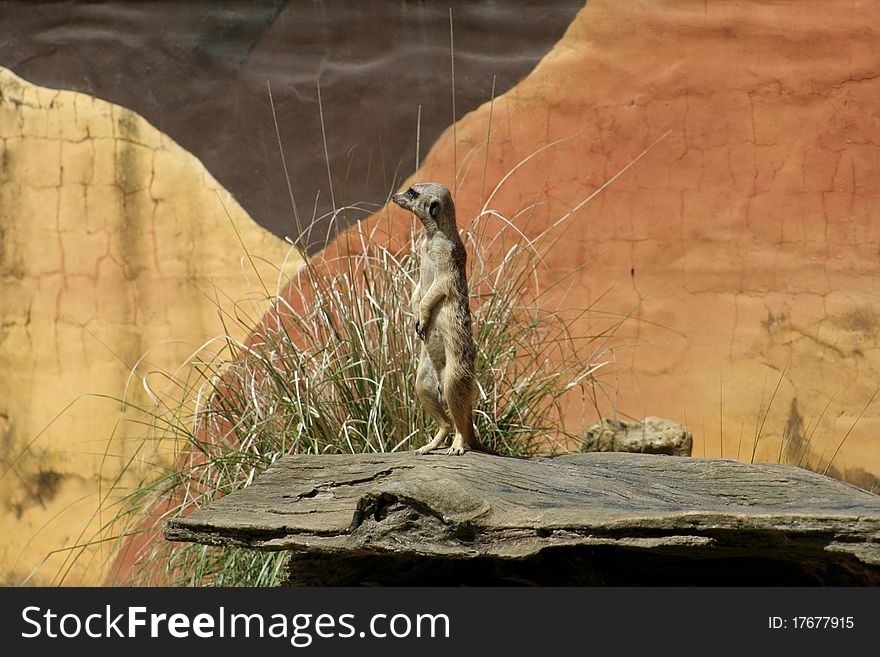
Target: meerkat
x: 446, y: 371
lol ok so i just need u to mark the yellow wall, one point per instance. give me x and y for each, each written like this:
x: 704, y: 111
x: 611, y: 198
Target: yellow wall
x: 112, y: 238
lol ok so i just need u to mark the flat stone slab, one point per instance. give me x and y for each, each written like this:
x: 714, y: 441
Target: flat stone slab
x: 487, y: 507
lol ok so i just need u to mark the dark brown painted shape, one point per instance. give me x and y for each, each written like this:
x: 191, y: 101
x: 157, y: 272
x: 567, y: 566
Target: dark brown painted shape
x: 198, y: 72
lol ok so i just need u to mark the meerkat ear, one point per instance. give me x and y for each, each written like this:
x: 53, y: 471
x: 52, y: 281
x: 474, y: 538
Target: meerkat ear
x: 434, y: 209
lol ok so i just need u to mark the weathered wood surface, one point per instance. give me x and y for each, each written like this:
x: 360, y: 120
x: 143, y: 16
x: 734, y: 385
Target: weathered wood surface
x: 484, y: 507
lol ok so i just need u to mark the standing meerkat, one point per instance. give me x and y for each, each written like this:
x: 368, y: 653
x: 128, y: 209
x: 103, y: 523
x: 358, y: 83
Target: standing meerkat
x: 446, y: 371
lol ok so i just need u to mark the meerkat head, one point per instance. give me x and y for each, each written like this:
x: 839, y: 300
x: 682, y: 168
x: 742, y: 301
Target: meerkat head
x: 431, y: 203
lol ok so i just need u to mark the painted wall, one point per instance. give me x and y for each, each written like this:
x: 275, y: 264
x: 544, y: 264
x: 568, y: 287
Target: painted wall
x: 113, y: 240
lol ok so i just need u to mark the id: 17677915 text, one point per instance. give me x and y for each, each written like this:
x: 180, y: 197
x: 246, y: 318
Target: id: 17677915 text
x: 811, y: 623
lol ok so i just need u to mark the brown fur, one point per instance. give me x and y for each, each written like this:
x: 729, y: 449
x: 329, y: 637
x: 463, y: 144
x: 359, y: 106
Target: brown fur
x: 446, y: 370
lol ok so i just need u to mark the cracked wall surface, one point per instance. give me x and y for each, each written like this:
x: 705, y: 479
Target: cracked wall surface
x: 745, y: 245
x: 112, y: 240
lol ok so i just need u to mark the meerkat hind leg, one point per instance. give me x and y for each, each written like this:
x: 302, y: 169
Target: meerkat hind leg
x: 428, y: 392
x: 459, y: 396
x: 458, y: 447
x: 438, y: 441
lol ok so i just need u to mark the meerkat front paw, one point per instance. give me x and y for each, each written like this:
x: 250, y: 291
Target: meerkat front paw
x: 424, y: 449
x: 421, y: 330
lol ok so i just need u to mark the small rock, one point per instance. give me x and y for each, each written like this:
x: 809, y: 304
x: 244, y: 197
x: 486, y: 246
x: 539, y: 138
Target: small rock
x: 653, y: 435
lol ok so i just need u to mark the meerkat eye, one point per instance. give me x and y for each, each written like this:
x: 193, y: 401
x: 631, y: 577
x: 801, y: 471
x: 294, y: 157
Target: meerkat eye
x: 434, y: 209
x: 411, y: 193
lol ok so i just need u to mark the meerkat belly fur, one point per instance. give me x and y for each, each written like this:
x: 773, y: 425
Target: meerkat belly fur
x: 445, y: 380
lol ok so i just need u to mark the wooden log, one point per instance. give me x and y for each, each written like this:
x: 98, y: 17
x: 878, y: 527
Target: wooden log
x: 595, y: 518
